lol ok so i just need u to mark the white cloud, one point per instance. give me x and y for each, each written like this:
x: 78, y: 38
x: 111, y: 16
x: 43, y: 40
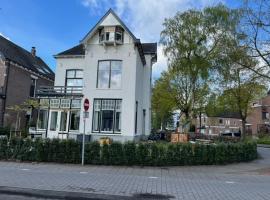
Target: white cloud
x: 145, y: 18
x: 4, y: 36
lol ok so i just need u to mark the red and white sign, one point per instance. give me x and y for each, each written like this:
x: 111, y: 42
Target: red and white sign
x: 86, y: 104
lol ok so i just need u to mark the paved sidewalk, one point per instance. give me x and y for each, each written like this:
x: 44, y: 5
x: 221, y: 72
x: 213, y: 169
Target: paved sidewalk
x: 238, y: 181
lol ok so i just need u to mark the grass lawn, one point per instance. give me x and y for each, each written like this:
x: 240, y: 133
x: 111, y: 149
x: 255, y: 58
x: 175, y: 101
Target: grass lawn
x: 264, y: 140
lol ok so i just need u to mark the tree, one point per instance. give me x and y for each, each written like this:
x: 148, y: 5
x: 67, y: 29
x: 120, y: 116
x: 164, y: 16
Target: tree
x: 255, y: 29
x: 24, y: 107
x: 162, y: 104
x: 193, y: 43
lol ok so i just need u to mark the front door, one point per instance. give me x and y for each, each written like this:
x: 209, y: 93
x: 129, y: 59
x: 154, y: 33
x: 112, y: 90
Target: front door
x: 58, y: 124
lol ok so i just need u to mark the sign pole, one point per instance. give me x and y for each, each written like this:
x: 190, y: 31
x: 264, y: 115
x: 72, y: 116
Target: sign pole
x: 83, y: 142
x: 85, y: 115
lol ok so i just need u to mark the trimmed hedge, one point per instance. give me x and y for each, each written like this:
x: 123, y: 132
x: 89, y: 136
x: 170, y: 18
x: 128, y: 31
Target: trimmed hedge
x: 144, y: 154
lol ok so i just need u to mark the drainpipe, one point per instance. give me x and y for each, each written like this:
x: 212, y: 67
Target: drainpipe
x: 6, y: 87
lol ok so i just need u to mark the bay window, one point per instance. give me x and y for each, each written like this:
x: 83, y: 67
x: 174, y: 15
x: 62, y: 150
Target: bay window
x: 109, y: 74
x: 107, y: 115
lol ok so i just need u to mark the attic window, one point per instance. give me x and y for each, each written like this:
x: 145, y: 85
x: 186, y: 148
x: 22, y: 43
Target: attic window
x: 111, y: 35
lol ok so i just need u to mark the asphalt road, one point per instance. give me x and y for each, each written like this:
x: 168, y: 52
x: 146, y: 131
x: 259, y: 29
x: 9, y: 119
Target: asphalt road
x: 244, y: 181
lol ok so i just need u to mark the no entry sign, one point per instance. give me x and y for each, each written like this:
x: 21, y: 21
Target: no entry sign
x: 86, y: 104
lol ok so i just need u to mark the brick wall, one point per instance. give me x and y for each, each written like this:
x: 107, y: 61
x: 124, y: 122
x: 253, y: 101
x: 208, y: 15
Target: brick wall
x: 18, y: 91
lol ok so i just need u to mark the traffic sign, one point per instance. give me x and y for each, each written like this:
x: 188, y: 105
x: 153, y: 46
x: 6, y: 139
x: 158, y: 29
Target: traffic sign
x: 86, y: 104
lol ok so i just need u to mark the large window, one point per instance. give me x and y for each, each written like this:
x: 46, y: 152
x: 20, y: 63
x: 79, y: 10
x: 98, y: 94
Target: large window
x: 109, y: 74
x: 74, y: 120
x: 107, y: 115
x: 42, y: 119
x: 74, y: 78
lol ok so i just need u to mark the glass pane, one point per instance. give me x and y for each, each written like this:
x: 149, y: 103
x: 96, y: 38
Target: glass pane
x: 65, y: 103
x: 96, y: 119
x: 117, y: 125
x: 42, y: 119
x: 74, y: 120
x: 53, y: 120
x: 74, y: 82
x: 63, y: 121
x: 79, y: 74
x: 103, y: 74
x: 107, y: 120
x: 76, y: 103
x: 54, y: 103
x: 70, y: 73
x: 116, y: 74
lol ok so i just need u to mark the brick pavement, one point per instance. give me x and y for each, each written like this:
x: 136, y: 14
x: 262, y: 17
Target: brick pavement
x: 238, y: 181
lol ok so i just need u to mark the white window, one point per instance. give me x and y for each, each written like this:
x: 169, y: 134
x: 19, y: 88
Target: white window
x: 54, y: 103
x: 42, y: 119
x: 107, y: 115
x: 74, y: 120
x: 65, y: 103
x: 76, y: 103
x: 109, y: 74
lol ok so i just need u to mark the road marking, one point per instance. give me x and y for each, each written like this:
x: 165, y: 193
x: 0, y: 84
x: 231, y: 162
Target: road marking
x: 153, y: 177
x: 83, y: 172
x: 230, y: 182
x: 24, y: 169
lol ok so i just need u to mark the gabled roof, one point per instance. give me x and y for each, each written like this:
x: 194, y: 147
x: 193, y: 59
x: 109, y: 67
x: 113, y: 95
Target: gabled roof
x: 147, y: 48
x: 93, y: 30
x: 24, y: 58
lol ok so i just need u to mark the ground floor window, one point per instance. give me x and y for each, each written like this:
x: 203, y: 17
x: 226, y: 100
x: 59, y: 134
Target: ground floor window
x: 74, y: 120
x: 107, y: 115
x: 42, y: 119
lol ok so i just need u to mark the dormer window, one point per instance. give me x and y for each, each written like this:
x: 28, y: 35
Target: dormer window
x: 111, y: 35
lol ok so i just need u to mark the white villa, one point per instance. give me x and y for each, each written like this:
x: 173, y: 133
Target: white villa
x: 111, y: 68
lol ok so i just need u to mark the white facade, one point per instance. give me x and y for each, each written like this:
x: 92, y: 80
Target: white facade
x: 132, y: 79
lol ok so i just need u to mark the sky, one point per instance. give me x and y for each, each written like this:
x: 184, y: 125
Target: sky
x: 53, y: 26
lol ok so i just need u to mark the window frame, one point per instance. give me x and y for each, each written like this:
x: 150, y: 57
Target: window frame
x: 100, y: 115
x: 110, y: 73
x: 33, y: 87
x: 66, y: 78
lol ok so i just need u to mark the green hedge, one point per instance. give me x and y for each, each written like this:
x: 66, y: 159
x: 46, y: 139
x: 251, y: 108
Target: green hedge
x: 154, y: 154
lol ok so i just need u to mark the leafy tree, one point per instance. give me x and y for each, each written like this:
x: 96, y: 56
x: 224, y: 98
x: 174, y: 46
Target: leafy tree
x: 193, y: 43
x: 162, y: 104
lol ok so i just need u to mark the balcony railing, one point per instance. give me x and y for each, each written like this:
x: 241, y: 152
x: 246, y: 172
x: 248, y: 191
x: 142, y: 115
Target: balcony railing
x: 59, y: 91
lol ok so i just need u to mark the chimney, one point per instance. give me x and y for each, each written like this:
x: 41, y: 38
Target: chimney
x: 33, y: 51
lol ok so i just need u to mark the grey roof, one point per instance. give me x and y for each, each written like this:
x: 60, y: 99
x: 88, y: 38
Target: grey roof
x: 149, y: 48
x: 234, y: 115
x: 77, y: 50
x: 19, y: 55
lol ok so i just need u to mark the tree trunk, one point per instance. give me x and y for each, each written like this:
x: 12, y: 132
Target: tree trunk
x: 243, y: 134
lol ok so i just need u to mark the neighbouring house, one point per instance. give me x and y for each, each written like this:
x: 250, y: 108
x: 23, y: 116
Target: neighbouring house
x: 259, y: 120
x: 21, y: 72
x: 218, y: 124
x: 111, y: 68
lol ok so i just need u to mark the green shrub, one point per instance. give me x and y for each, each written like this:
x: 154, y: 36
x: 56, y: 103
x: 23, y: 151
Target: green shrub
x: 92, y: 153
x: 155, y: 154
x: 129, y: 153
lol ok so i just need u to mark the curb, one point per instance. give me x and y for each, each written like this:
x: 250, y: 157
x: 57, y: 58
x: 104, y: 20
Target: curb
x: 263, y: 145
x: 51, y: 194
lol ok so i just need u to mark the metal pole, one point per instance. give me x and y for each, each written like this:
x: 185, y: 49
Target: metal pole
x: 83, y: 142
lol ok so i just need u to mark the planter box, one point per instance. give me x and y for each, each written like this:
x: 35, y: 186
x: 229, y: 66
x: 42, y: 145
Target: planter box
x: 179, y: 137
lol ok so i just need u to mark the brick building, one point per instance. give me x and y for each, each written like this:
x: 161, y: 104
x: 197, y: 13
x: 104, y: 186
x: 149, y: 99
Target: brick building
x: 259, y: 120
x: 21, y: 72
x: 218, y: 124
